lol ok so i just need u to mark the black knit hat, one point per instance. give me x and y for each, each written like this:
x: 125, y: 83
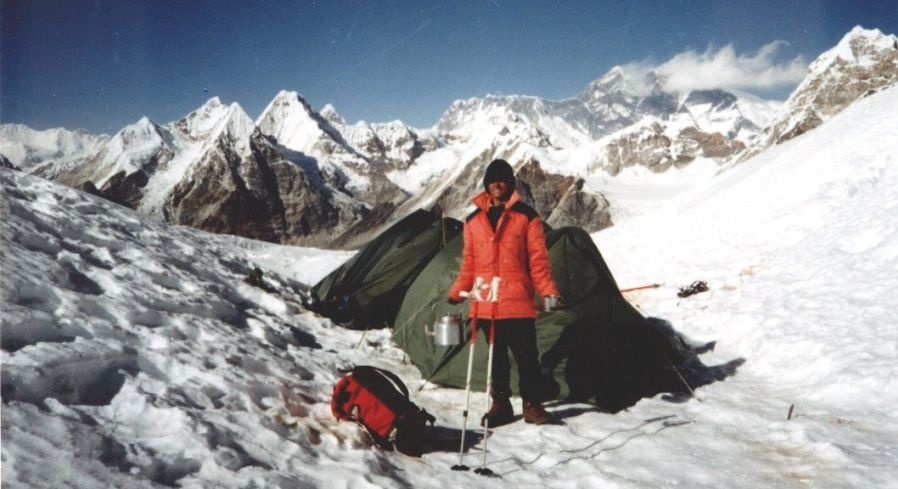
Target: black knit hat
x: 499, y: 171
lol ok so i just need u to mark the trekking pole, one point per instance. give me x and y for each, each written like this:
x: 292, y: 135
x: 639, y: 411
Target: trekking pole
x: 494, y: 298
x: 464, y: 426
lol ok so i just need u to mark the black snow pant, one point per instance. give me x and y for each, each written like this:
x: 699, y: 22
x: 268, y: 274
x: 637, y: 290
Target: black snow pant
x: 518, y: 335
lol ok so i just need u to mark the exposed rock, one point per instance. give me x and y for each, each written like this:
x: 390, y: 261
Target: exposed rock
x: 260, y: 195
x: 713, y: 145
x: 5, y: 163
x: 647, y: 146
x: 365, y: 229
x: 561, y: 200
x: 90, y: 188
x: 124, y: 189
x: 650, y: 145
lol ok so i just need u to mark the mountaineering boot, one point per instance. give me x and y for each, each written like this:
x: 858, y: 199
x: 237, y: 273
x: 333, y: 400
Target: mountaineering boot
x: 534, y: 413
x: 500, y: 413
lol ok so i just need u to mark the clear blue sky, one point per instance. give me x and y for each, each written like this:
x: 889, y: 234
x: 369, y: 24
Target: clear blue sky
x: 102, y: 64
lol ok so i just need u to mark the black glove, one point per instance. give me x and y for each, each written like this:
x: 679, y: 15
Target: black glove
x: 560, y: 304
x: 453, y: 301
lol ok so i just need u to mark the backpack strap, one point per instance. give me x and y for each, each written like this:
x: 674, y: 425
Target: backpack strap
x: 366, y: 370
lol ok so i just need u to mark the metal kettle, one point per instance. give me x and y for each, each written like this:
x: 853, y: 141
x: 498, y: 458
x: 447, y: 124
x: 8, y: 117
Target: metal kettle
x: 447, y: 330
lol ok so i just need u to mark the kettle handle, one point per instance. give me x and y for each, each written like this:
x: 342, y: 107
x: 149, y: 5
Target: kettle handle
x: 431, y: 331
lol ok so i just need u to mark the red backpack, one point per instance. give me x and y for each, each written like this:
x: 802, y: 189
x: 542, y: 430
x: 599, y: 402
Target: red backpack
x: 378, y: 401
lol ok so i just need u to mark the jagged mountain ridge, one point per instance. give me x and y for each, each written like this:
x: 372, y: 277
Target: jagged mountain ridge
x: 863, y: 62
x: 607, y: 105
x: 43, y: 152
x: 353, y: 179
x: 215, y: 170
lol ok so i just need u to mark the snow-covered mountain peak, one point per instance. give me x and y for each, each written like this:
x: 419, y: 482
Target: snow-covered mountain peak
x: 292, y: 121
x: 857, y: 46
x: 612, y: 80
x: 330, y: 113
x: 142, y: 145
x: 212, y: 102
x: 717, y: 99
x: 237, y: 123
x: 863, y: 62
x: 286, y: 105
x: 290, y: 96
x: 296, y: 125
x: 621, y: 82
x: 206, y: 120
x: 140, y: 134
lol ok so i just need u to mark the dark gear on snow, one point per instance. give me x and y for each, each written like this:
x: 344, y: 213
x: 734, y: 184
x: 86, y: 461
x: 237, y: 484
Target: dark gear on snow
x: 696, y: 287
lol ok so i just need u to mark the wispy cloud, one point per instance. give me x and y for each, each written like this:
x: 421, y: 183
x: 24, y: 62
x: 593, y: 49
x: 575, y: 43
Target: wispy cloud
x: 723, y: 68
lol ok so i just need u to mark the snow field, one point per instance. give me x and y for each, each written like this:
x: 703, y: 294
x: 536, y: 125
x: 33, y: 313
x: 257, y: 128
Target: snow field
x: 142, y: 341
x: 134, y: 355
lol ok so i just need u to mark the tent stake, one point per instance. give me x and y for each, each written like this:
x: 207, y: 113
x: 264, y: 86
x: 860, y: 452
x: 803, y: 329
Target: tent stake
x: 362, y: 339
x: 681, y: 378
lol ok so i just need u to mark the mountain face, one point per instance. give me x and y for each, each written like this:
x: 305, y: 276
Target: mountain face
x: 294, y: 125
x: 658, y: 146
x: 391, y: 145
x: 863, y: 62
x: 240, y: 184
x: 214, y: 170
x: 561, y: 200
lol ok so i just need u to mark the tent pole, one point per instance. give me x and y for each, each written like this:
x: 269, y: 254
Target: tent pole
x: 443, y: 228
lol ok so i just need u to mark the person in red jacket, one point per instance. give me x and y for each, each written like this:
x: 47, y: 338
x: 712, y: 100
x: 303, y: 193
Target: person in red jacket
x: 504, y: 238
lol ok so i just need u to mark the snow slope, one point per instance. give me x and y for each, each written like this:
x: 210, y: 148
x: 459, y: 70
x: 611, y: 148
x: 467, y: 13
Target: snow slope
x: 800, y: 249
x: 135, y: 356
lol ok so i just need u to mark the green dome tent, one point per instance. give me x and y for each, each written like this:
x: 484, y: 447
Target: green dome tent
x: 602, y: 350
x: 367, y: 290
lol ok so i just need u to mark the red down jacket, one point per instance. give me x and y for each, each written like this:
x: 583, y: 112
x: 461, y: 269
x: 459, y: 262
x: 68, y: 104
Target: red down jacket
x: 515, y: 252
